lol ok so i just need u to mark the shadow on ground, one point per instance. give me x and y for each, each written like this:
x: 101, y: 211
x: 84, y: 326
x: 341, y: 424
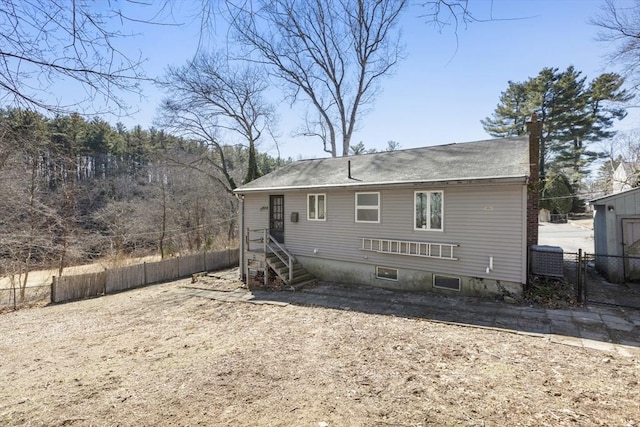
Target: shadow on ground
x: 598, y: 327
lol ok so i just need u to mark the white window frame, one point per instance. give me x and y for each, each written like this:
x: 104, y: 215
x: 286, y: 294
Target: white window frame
x: 316, y: 195
x: 428, y: 228
x: 367, y: 207
x: 378, y: 267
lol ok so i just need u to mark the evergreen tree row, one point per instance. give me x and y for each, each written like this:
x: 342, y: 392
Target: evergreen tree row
x: 74, y: 190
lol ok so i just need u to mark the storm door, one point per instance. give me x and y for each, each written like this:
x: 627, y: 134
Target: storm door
x: 276, y: 218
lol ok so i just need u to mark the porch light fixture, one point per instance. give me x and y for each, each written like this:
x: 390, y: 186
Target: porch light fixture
x: 610, y: 208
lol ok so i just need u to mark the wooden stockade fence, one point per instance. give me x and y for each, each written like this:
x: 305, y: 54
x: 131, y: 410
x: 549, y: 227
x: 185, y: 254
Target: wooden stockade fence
x: 69, y: 288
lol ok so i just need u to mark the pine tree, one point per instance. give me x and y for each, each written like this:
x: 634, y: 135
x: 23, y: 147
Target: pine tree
x: 556, y: 195
x: 573, y: 123
x: 573, y: 113
x: 511, y: 114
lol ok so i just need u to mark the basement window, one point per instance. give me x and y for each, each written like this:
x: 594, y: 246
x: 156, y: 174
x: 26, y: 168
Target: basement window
x: 446, y: 282
x: 387, y: 273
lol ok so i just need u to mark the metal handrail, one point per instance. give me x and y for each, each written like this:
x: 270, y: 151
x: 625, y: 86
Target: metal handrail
x: 288, y: 262
x: 271, y: 245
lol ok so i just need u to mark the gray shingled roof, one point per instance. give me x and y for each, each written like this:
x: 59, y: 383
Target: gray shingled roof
x: 489, y: 159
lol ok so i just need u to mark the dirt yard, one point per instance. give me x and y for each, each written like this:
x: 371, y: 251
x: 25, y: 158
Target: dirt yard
x: 166, y: 355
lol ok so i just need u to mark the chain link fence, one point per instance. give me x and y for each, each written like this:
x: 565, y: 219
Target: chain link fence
x: 610, y: 280
x: 17, y: 297
x: 589, y: 278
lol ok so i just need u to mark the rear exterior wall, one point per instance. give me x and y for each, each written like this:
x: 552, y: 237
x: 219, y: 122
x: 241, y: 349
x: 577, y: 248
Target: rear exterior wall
x: 484, y: 220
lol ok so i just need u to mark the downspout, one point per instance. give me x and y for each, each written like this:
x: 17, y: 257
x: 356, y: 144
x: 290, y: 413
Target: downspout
x: 241, y: 249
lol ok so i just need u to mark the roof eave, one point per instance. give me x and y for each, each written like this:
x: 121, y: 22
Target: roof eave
x: 603, y: 199
x: 468, y: 180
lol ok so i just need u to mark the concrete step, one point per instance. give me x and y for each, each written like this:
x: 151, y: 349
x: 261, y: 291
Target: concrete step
x: 302, y: 277
x: 285, y: 270
x: 299, y: 285
x: 300, y: 274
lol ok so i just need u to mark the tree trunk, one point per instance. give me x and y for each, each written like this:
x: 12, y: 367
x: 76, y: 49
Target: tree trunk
x: 164, y: 218
x: 252, y: 168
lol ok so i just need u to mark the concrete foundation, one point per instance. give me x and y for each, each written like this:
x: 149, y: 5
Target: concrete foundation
x: 408, y: 280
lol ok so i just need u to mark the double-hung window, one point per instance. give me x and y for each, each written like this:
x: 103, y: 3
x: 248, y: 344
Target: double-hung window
x: 316, y: 207
x: 367, y: 207
x: 428, y: 210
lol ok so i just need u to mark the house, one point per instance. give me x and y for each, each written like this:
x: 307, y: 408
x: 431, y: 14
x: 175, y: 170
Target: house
x: 455, y: 218
x: 616, y: 233
x: 625, y: 176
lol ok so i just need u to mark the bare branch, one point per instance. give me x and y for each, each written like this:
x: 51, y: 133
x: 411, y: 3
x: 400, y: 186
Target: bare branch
x: 333, y: 53
x: 620, y: 27
x: 208, y: 96
x: 52, y: 46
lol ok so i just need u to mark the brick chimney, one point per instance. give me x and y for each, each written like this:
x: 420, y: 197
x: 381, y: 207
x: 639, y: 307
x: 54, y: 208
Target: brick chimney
x: 533, y: 188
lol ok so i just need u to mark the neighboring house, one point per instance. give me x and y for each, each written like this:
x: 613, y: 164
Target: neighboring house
x: 616, y: 233
x: 625, y: 176
x: 450, y: 218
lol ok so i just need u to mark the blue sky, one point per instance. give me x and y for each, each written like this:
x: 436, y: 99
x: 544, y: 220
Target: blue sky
x: 443, y: 87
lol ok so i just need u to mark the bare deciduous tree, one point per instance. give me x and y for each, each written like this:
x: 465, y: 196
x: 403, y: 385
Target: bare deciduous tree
x: 28, y: 217
x: 445, y: 13
x: 332, y: 54
x: 623, y: 148
x: 620, y: 26
x: 208, y: 99
x: 48, y: 43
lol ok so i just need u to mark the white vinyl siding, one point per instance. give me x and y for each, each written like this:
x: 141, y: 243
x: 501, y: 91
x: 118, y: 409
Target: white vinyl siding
x: 428, y: 210
x: 367, y: 207
x: 316, y: 207
x: 481, y: 219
